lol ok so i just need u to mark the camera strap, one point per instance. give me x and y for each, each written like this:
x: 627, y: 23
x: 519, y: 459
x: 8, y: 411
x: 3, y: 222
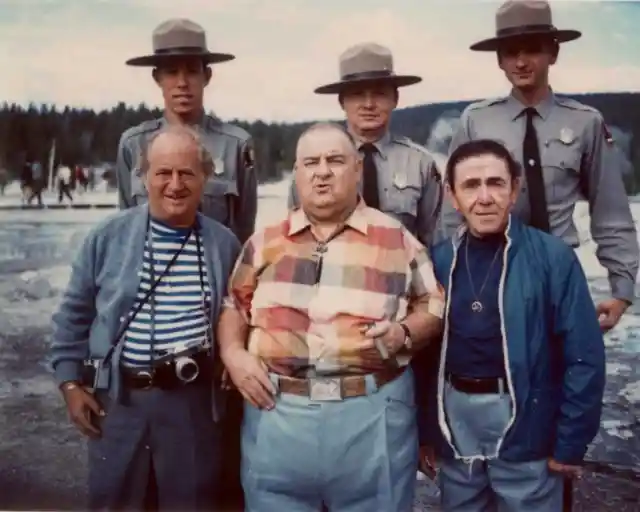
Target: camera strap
x: 154, y: 283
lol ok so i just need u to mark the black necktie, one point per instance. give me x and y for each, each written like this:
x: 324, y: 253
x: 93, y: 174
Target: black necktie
x: 539, y: 215
x: 370, y: 176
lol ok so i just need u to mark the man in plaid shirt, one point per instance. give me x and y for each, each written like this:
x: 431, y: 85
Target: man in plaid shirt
x: 324, y: 312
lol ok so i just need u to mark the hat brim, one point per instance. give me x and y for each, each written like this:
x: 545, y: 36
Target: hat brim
x: 397, y: 80
x: 155, y: 59
x: 493, y: 43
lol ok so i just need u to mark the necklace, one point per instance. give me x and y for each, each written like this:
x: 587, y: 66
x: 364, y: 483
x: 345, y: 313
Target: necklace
x: 476, y: 305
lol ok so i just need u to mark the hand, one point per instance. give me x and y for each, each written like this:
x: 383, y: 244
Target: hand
x: 610, y: 311
x: 565, y: 469
x: 387, y: 336
x: 427, y: 461
x: 251, y: 377
x: 80, y: 405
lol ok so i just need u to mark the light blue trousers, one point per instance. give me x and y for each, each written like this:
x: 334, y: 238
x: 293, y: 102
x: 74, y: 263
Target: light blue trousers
x: 477, y: 423
x: 355, y: 455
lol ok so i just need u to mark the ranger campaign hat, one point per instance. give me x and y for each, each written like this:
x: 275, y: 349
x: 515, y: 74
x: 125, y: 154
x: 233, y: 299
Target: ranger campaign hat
x: 518, y: 18
x: 179, y: 38
x: 364, y: 63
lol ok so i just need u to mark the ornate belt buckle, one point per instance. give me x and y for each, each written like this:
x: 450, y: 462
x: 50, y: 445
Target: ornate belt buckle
x: 325, y: 389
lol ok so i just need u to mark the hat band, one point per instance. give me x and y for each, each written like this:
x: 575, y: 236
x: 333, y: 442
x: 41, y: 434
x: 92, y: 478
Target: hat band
x: 180, y: 50
x: 524, y: 29
x: 380, y: 73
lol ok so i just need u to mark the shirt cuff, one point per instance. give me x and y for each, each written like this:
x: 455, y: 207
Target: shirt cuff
x: 436, y: 308
x: 622, y: 288
x: 67, y: 370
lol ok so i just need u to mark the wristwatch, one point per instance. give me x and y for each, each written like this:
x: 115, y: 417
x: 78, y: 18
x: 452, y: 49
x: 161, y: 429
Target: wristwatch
x: 68, y: 385
x: 407, y: 336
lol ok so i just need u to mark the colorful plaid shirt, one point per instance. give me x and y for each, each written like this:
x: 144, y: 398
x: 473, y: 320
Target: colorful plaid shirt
x: 306, y: 302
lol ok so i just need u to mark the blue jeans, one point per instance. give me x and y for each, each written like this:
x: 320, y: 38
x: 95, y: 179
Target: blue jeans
x: 355, y: 455
x: 477, y: 422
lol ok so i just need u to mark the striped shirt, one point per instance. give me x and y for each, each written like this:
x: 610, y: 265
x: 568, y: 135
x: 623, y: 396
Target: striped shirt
x: 179, y: 314
x: 306, y: 305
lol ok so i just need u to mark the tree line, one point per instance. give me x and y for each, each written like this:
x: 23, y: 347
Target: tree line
x: 87, y: 137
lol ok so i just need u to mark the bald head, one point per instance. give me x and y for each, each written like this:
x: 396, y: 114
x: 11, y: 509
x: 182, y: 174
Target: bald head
x: 327, y: 171
x: 176, y: 166
x: 322, y: 128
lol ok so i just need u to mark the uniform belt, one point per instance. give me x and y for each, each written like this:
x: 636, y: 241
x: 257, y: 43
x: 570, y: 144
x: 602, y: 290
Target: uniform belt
x: 334, y: 388
x: 478, y: 386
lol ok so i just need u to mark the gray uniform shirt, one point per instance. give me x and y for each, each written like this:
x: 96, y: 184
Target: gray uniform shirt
x: 231, y: 193
x: 409, y: 185
x: 577, y: 162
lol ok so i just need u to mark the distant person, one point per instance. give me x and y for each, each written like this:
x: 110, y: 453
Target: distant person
x: 63, y: 178
x: 153, y: 440
x: 563, y: 145
x: 80, y: 178
x: 4, y: 180
x: 521, y: 374
x: 26, y: 181
x: 400, y: 177
x: 181, y: 69
x: 37, y: 183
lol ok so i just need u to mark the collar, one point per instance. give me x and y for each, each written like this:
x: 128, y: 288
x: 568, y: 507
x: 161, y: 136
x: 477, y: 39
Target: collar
x: 382, y: 144
x: 517, y: 108
x: 358, y: 220
x: 201, y: 125
x: 512, y: 232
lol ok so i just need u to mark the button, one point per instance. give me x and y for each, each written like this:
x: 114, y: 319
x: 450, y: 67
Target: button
x: 122, y: 318
x: 532, y: 161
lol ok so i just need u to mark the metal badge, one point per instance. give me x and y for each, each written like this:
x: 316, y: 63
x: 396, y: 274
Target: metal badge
x: 567, y: 136
x: 400, y: 180
x: 325, y: 389
x: 218, y: 167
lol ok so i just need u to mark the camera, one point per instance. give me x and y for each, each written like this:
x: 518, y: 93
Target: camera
x: 186, y: 367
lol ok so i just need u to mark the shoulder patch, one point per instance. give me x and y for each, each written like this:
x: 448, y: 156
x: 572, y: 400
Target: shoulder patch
x: 144, y: 127
x: 248, y: 156
x: 230, y: 130
x: 608, y: 136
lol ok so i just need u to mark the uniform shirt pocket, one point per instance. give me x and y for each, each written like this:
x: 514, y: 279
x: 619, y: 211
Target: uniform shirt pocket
x: 563, y: 161
x: 216, y: 199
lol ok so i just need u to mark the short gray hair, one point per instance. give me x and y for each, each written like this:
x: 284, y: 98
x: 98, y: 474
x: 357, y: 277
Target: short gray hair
x: 204, y: 155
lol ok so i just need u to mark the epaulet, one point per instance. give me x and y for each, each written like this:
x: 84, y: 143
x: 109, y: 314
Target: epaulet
x: 144, y: 127
x: 572, y: 104
x: 217, y: 125
x: 406, y: 141
x: 478, y: 105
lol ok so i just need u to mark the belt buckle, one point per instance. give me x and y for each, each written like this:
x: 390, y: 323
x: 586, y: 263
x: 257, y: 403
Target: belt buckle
x: 325, y: 389
x: 149, y: 378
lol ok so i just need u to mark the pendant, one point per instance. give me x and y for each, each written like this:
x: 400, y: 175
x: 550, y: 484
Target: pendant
x: 476, y: 306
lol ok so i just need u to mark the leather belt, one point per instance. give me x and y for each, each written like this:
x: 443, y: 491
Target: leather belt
x: 478, y: 386
x: 164, y: 376
x: 335, y: 388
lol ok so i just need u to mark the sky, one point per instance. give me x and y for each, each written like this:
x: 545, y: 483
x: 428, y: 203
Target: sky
x: 72, y: 52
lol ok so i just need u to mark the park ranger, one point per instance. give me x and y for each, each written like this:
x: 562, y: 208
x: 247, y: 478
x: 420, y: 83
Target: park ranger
x: 180, y: 63
x: 400, y: 177
x: 564, y: 147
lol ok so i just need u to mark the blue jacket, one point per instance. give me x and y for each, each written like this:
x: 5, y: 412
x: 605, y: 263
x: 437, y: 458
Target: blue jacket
x: 554, y: 352
x: 104, y: 283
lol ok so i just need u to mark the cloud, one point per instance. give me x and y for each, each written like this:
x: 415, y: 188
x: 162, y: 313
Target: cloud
x: 74, y: 53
